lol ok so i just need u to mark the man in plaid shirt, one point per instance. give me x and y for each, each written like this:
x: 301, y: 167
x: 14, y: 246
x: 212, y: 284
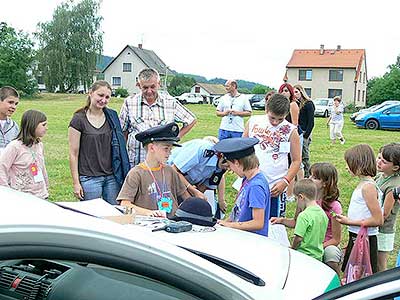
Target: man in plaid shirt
x: 149, y: 109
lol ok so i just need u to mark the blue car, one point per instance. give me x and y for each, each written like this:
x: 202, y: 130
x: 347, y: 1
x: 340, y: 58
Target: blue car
x: 387, y: 117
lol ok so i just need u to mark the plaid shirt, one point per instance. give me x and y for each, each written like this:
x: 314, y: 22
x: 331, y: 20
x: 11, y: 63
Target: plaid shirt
x: 8, y: 133
x: 137, y: 115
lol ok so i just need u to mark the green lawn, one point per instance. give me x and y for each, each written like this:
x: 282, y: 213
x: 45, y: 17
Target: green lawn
x: 60, y: 107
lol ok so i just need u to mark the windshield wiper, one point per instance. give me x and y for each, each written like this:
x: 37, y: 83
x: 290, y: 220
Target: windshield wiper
x: 231, y: 267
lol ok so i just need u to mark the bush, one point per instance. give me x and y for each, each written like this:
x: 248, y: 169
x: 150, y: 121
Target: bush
x: 351, y: 108
x: 121, y: 92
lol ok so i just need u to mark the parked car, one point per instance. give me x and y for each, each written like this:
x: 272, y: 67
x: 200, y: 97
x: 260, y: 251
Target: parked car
x: 190, y: 98
x: 386, y: 117
x: 260, y: 105
x: 55, y: 253
x: 383, y: 285
x: 354, y: 115
x: 256, y: 98
x: 323, y: 106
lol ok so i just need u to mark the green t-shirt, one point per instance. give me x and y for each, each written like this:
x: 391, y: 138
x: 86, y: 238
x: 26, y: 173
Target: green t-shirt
x: 311, y: 225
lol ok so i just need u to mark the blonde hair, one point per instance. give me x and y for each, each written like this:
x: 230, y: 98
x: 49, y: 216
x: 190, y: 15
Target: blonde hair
x: 307, y: 188
x: 304, y: 96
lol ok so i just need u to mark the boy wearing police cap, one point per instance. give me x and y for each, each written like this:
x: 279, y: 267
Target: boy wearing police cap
x: 152, y: 187
x: 252, y: 206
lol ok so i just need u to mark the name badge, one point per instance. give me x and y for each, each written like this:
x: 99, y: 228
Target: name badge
x: 165, y: 204
x: 284, y: 147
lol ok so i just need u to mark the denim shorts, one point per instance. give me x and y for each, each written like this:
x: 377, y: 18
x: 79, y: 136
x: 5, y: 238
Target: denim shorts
x: 105, y: 187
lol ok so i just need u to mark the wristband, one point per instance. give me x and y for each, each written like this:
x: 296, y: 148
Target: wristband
x: 187, y: 187
x: 287, y: 179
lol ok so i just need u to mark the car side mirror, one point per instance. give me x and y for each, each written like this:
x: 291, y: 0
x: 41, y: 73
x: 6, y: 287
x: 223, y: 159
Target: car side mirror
x: 386, y: 112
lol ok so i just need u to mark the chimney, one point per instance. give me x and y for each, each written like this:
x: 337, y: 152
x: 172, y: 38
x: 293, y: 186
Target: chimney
x: 321, y: 49
x: 338, y: 48
x: 140, y: 46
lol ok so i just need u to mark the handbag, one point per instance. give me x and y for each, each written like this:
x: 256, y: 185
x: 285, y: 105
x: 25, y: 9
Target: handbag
x: 359, y: 263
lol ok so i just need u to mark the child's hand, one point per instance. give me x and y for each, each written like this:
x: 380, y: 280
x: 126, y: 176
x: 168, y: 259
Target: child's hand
x: 158, y: 214
x: 342, y: 219
x: 224, y: 223
x: 222, y: 205
x: 276, y: 220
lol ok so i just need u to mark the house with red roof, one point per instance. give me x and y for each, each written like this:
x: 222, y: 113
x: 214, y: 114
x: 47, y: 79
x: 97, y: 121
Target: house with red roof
x: 326, y: 73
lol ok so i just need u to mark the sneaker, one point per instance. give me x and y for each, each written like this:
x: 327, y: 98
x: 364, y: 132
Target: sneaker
x: 342, y: 141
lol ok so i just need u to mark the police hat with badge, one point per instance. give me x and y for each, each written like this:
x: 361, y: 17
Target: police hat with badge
x: 162, y: 133
x: 236, y: 148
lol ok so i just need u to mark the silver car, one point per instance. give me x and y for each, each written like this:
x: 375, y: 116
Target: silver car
x: 48, y: 252
x: 323, y: 106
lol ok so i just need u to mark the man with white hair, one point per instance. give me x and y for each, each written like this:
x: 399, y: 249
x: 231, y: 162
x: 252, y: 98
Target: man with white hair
x: 149, y: 109
x: 232, y: 107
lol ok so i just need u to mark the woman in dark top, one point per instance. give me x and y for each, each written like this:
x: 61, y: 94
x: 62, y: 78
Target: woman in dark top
x: 94, y: 146
x: 306, y: 122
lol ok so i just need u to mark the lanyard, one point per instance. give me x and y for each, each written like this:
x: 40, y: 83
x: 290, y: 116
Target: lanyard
x: 154, y: 179
x: 244, y: 183
x: 33, y: 154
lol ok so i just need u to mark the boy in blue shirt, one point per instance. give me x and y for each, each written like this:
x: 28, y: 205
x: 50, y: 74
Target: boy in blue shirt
x: 252, y: 206
x: 9, y: 99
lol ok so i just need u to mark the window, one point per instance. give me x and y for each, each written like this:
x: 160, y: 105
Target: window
x: 334, y: 92
x: 361, y: 77
x: 305, y: 75
x: 363, y: 97
x: 127, y: 67
x: 394, y: 110
x: 335, y: 75
x: 40, y: 79
x: 358, y: 95
x: 116, y: 81
x: 197, y: 89
x: 365, y: 77
x: 308, y: 91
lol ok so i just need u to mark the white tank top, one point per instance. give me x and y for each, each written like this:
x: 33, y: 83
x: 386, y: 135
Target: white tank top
x: 358, y: 209
x: 274, y: 146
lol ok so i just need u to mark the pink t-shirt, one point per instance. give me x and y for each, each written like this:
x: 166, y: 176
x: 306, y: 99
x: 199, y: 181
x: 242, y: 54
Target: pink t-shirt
x: 336, y: 207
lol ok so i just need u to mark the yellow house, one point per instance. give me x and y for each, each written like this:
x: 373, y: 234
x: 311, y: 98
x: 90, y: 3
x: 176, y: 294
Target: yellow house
x: 326, y: 73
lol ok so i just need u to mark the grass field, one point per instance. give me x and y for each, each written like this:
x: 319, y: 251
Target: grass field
x: 60, y: 107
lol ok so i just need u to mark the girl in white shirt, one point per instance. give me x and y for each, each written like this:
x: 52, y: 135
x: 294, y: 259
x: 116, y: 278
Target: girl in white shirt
x: 364, y: 208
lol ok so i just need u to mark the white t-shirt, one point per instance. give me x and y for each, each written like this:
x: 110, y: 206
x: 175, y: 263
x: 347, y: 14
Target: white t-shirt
x: 359, y: 210
x: 238, y: 103
x: 274, y: 146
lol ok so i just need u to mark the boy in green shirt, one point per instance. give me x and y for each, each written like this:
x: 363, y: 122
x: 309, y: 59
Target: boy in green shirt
x: 312, y: 222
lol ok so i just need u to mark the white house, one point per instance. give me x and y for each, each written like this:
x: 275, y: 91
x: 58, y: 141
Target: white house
x: 330, y: 72
x: 208, y: 91
x: 123, y: 69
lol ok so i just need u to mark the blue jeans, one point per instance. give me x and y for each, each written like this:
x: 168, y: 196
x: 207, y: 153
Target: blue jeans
x: 105, y: 187
x: 227, y: 134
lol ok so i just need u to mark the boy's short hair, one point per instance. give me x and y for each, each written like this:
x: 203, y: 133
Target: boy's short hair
x: 391, y: 153
x: 8, y: 91
x: 307, y: 188
x: 249, y: 162
x: 278, y: 105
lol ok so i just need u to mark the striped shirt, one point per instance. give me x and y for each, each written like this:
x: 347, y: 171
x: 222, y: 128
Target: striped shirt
x: 8, y: 132
x: 137, y: 115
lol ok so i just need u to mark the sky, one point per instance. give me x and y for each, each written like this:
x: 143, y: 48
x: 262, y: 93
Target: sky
x: 251, y: 40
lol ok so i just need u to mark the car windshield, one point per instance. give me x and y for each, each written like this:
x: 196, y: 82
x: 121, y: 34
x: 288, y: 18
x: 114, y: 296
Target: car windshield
x: 321, y: 102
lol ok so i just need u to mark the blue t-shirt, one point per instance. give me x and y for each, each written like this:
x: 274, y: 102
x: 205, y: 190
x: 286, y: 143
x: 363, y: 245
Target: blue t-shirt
x: 253, y: 194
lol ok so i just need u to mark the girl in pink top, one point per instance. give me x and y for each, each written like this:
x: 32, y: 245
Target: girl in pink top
x: 325, y: 176
x: 22, y: 161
